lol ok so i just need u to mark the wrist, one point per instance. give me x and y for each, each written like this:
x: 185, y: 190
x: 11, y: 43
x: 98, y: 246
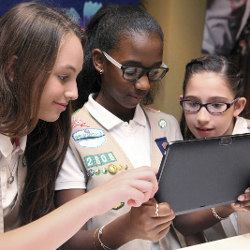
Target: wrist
x: 114, y: 234
x: 128, y: 229
x: 220, y: 213
x: 100, y: 240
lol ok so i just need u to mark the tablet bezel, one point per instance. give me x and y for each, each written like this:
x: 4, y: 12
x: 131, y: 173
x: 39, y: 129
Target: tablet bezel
x: 216, y: 150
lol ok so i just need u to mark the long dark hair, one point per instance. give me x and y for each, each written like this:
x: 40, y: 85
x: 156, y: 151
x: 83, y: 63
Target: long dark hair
x: 33, y: 33
x: 216, y: 64
x: 105, y: 30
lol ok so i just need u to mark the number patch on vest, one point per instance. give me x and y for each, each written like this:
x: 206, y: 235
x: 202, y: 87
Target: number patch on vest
x: 91, y: 161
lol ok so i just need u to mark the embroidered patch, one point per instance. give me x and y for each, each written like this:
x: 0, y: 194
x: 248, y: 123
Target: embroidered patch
x: 118, y: 206
x: 162, y: 123
x: 91, y: 161
x: 79, y: 123
x: 90, y: 137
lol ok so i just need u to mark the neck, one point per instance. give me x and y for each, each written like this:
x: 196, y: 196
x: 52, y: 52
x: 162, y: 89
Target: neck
x: 125, y: 114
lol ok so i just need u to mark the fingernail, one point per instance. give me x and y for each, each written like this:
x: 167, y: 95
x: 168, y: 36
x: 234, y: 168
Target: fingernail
x: 241, y: 198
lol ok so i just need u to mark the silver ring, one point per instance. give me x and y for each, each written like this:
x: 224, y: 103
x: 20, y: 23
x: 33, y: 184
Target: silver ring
x: 157, y: 209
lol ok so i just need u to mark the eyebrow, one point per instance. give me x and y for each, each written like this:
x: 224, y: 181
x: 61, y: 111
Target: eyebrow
x: 212, y: 98
x: 139, y: 64
x: 67, y: 66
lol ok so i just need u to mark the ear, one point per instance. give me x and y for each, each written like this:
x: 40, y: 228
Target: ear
x: 181, y: 96
x: 10, y: 68
x: 239, y: 106
x: 98, y: 60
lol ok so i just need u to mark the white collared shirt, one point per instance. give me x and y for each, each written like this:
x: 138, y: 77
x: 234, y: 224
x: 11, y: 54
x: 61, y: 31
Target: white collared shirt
x: 9, y: 156
x: 133, y: 137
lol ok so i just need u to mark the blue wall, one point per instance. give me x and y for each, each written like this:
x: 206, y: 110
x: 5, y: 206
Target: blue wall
x: 80, y: 10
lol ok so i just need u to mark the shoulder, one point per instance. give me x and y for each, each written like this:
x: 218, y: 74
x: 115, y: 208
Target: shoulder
x: 155, y: 114
x: 248, y: 123
x: 80, y: 118
x: 77, y: 113
x: 242, y: 125
x: 163, y: 124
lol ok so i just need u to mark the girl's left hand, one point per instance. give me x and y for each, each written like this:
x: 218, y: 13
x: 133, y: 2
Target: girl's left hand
x: 243, y: 203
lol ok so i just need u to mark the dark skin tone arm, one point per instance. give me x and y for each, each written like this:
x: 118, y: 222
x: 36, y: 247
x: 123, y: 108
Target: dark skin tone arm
x: 138, y: 223
x: 193, y: 223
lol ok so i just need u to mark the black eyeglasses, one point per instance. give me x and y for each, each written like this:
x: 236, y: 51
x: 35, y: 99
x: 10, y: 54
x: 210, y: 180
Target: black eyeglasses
x: 212, y: 107
x: 132, y: 74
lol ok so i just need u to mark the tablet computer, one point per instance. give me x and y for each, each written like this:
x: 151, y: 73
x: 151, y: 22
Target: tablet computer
x: 203, y: 173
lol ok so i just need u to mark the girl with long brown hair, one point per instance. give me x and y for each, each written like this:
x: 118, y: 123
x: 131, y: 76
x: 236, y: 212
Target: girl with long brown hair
x: 41, y: 54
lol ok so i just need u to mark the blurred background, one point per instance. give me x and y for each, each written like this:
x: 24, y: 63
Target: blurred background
x: 192, y: 28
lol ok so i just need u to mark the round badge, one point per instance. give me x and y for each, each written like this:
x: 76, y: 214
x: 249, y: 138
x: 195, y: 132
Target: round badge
x: 120, y: 167
x: 97, y: 171
x: 162, y: 123
x: 104, y: 170
x: 91, y: 172
x: 112, y: 169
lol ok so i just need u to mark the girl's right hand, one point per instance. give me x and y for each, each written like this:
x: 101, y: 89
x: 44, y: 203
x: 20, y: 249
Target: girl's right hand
x: 145, y: 223
x: 243, y: 203
x: 134, y: 186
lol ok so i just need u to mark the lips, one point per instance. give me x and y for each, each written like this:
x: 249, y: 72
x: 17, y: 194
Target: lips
x: 204, y: 130
x: 62, y: 106
x: 137, y: 98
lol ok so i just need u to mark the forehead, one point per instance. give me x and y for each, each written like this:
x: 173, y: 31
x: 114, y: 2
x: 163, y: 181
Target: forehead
x: 141, y: 47
x: 70, y: 53
x: 208, y: 84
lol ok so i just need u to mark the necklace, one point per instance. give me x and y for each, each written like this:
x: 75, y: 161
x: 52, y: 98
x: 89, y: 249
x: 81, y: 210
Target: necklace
x: 11, y: 178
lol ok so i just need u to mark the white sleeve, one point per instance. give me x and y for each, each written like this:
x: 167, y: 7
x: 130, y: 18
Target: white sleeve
x: 71, y: 175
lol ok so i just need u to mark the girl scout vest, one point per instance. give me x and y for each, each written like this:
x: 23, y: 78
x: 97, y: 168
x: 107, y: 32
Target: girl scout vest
x: 102, y: 157
x: 12, y: 220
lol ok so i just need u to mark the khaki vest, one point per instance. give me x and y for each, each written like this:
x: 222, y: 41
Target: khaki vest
x: 105, y: 160
x: 12, y: 220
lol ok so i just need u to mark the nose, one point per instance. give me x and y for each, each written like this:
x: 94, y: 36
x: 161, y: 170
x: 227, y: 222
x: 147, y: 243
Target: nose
x: 203, y: 116
x: 143, y: 83
x: 71, y: 91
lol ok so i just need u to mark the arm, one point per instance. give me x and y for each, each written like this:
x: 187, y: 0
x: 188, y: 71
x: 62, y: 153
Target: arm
x: 49, y: 232
x: 193, y: 223
x: 138, y: 223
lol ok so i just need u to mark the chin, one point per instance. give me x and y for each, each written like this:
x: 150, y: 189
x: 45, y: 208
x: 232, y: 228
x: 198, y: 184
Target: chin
x: 51, y: 118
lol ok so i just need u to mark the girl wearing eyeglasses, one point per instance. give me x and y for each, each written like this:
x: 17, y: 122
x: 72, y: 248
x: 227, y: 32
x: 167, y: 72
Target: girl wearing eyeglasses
x: 41, y: 54
x: 212, y: 101
x: 114, y: 132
